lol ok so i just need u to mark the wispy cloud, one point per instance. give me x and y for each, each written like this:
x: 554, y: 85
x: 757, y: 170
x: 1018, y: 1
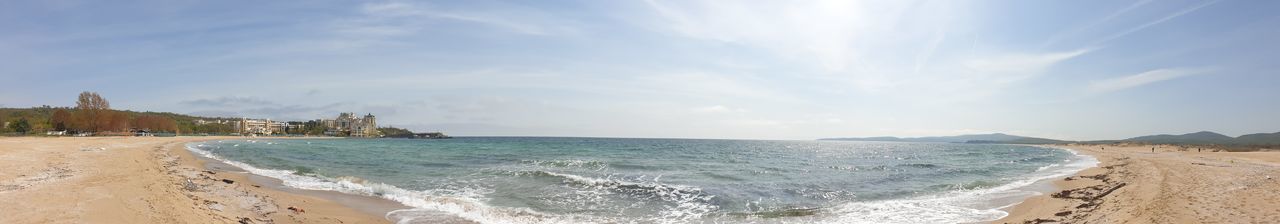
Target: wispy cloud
x: 1021, y: 64
x: 717, y: 109
x: 922, y: 59
x: 402, y: 17
x: 229, y: 101
x: 1140, y: 79
x: 1157, y: 21
x: 1054, y: 40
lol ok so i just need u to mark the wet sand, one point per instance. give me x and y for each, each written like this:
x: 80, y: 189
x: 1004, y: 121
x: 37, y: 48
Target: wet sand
x: 1132, y: 184
x: 154, y: 180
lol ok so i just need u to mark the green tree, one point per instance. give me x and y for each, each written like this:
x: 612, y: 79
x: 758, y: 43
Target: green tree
x: 313, y: 127
x: 20, y: 126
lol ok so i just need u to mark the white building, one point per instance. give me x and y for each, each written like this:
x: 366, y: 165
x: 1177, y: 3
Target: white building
x: 248, y: 126
x: 348, y: 124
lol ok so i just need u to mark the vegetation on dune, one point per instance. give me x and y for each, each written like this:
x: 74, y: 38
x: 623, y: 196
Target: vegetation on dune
x: 93, y: 114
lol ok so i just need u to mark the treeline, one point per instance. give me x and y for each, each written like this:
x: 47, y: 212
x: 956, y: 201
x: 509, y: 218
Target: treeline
x: 93, y: 114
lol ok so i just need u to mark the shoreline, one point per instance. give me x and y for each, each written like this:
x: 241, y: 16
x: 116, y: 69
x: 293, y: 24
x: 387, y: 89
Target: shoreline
x: 367, y: 204
x: 1045, y: 183
x: 144, y: 180
x: 378, y: 204
x: 1170, y: 185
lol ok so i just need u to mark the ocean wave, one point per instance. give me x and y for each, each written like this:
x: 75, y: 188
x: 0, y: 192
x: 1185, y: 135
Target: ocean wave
x: 690, y: 202
x: 588, y: 164
x: 464, y: 207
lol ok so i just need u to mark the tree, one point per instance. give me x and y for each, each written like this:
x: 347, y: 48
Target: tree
x: 60, y: 119
x: 20, y: 126
x: 115, y: 121
x: 91, y: 100
x: 313, y: 127
x: 3, y: 128
x: 92, y: 112
x: 155, y: 123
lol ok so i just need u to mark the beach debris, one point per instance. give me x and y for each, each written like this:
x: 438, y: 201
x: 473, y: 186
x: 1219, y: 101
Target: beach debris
x: 190, y: 186
x: 210, y: 172
x: 1104, y: 194
x: 297, y: 209
x: 1063, y: 213
x: 1213, y: 165
x: 1038, y: 220
x: 229, y: 181
x: 245, y: 220
x: 213, y: 205
x: 255, y: 185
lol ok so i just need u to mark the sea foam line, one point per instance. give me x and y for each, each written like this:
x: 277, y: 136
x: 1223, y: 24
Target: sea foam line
x: 464, y: 207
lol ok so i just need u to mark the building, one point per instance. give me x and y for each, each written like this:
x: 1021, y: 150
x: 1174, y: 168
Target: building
x: 248, y: 126
x: 347, y: 124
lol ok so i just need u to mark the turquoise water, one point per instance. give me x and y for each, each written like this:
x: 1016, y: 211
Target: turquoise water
x: 605, y: 180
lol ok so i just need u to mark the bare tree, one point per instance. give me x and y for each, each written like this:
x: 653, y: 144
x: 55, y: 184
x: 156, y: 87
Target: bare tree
x: 91, y: 112
x: 91, y: 100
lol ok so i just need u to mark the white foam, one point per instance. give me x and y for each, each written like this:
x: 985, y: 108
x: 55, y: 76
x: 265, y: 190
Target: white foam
x: 691, y: 203
x: 961, y: 206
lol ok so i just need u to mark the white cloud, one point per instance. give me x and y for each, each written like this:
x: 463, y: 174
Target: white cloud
x: 1140, y: 79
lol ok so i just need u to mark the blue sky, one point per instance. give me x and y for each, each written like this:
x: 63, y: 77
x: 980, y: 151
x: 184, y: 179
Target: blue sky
x: 693, y: 69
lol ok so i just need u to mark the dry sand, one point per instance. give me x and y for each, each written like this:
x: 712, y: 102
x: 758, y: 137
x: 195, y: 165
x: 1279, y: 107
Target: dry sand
x: 148, y: 180
x: 1132, y: 184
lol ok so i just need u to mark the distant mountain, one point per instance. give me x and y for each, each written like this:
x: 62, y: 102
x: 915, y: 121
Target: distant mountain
x: 981, y: 138
x: 1204, y: 137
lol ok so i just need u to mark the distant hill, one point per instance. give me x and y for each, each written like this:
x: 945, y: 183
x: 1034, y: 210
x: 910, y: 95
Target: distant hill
x: 1210, y: 138
x: 979, y: 138
x: 1260, y: 139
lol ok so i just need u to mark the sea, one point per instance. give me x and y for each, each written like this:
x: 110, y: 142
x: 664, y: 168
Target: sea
x: 630, y: 180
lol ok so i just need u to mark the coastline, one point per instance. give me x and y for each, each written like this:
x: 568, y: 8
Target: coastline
x: 1170, y: 185
x: 149, y: 180
x: 144, y: 180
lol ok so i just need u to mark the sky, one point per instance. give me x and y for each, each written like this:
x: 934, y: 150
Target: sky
x: 1076, y: 70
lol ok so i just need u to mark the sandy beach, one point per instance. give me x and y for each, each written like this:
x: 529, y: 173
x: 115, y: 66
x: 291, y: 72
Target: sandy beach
x: 1133, y: 184
x: 152, y: 180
